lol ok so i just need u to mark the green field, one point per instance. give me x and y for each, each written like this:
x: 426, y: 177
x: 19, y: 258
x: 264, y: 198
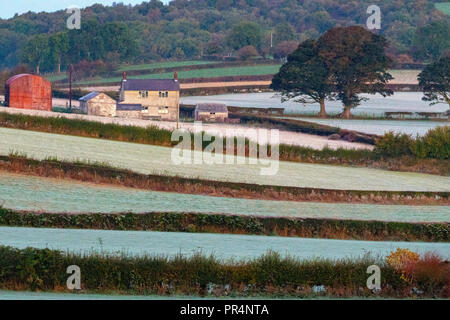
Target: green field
x: 201, y: 73
x: 444, y: 7
x: 56, y: 77
x: 165, y: 64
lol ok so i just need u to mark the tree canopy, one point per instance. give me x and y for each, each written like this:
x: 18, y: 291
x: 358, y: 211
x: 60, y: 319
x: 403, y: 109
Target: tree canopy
x: 357, y: 61
x: 435, y: 81
x: 304, y: 77
x: 159, y: 30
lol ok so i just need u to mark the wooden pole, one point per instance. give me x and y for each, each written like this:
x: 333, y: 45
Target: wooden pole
x: 70, y: 86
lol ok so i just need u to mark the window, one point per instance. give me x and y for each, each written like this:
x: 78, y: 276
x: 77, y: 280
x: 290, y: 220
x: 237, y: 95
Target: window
x: 143, y: 94
x: 162, y: 94
x: 145, y: 109
x: 164, y: 109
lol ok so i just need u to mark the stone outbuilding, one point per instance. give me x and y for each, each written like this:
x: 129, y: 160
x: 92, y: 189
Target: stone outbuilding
x: 211, y: 112
x: 129, y: 110
x: 28, y: 91
x: 98, y: 104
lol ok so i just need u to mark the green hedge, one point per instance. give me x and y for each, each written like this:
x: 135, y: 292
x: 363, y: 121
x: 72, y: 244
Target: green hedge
x: 44, y: 269
x: 198, y: 222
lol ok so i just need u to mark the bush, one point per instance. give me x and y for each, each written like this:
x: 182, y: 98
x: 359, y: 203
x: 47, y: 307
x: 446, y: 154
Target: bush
x: 434, y: 145
x: 394, y: 145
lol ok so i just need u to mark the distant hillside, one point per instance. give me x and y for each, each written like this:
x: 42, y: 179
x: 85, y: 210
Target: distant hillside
x: 186, y: 29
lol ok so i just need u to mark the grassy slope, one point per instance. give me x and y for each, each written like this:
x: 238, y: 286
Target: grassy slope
x: 201, y: 73
x: 165, y: 64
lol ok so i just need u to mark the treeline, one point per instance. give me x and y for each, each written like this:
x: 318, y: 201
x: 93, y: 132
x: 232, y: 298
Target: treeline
x: 186, y: 29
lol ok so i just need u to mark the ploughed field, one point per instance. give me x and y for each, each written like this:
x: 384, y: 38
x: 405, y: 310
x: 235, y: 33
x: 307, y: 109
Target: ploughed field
x: 222, y: 246
x: 375, y: 106
x: 149, y: 159
x: 28, y: 193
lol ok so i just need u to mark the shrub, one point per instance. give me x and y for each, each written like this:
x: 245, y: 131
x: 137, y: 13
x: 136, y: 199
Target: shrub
x: 394, y: 145
x: 437, y: 143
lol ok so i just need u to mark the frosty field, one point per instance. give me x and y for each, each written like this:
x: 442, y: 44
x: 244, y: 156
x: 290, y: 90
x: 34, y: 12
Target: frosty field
x: 154, y: 159
x: 20, y: 192
x: 223, y: 246
x: 380, y: 127
x: 375, y: 106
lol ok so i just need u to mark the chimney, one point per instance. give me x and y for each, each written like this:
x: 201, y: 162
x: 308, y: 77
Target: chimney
x: 175, y: 76
x: 124, y: 76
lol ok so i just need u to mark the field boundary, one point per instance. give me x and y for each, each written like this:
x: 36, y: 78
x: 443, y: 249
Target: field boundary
x: 233, y: 224
x: 268, y: 275
x: 99, y: 173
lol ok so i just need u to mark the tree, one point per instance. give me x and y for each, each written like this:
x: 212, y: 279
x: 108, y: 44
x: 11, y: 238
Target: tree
x: 435, y: 81
x: 283, y: 32
x: 305, y: 77
x: 59, y: 47
x: 283, y: 49
x: 245, y: 34
x: 432, y: 41
x: 36, y: 51
x: 357, y: 62
x: 247, y: 52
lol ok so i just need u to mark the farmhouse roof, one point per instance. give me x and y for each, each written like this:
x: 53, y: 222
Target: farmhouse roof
x: 89, y: 96
x: 128, y: 107
x: 211, y: 107
x: 151, y: 84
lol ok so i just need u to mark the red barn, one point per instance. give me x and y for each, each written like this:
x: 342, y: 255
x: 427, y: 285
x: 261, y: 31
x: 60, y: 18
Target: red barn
x: 27, y: 91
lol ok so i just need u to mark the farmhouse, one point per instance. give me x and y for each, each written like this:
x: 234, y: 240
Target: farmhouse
x: 98, y: 104
x: 159, y: 98
x: 27, y: 91
x: 211, y: 112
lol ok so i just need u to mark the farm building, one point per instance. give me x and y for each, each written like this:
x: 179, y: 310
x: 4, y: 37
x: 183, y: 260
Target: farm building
x: 129, y: 110
x: 98, y: 104
x: 27, y: 91
x: 159, y: 98
x: 211, y: 112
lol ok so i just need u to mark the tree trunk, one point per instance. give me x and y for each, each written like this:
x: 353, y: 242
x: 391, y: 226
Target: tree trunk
x: 37, y: 69
x: 346, y: 113
x: 322, y: 113
x: 59, y: 64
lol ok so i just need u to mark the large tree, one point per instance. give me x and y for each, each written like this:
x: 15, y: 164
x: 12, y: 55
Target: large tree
x: 59, y: 47
x: 245, y: 34
x: 435, y: 81
x: 304, y: 77
x: 36, y: 51
x: 357, y: 62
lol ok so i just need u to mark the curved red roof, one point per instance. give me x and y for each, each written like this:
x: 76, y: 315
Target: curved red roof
x: 17, y: 76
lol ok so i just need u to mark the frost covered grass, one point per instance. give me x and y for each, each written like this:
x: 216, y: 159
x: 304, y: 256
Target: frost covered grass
x: 161, y: 137
x: 148, y: 159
